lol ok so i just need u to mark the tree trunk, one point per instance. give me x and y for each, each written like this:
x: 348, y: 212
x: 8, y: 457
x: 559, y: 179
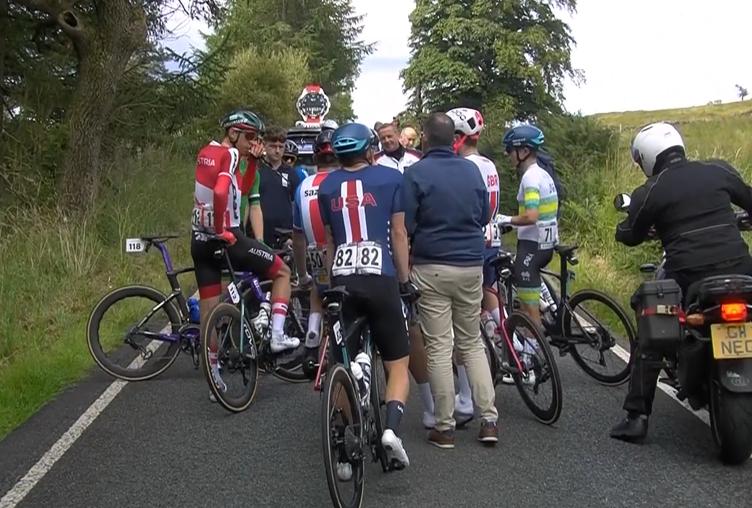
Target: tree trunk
x: 103, y: 53
x: 3, y: 48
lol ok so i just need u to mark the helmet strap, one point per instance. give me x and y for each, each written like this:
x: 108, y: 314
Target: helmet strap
x: 459, y: 143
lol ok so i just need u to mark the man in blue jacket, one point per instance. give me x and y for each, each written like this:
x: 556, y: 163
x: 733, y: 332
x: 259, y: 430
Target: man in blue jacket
x: 446, y: 207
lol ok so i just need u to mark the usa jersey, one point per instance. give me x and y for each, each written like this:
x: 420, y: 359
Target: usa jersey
x: 307, y: 215
x: 213, y: 161
x: 358, y: 207
x: 491, y: 179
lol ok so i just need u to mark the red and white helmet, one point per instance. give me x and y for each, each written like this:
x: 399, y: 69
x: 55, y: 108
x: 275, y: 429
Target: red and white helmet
x: 467, y: 121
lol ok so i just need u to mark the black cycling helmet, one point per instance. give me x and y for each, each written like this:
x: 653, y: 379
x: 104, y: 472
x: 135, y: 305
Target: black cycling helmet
x: 323, y: 144
x: 291, y: 149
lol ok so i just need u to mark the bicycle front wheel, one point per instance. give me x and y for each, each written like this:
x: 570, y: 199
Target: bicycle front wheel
x: 603, y: 337
x: 538, y: 380
x: 343, y: 435
x: 233, y: 379
x: 133, y: 333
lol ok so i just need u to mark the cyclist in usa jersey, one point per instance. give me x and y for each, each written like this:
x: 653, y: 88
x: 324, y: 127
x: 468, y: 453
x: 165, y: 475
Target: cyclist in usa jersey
x: 538, y: 230
x: 216, y: 222
x: 367, y: 252
x: 468, y: 125
x: 309, y: 235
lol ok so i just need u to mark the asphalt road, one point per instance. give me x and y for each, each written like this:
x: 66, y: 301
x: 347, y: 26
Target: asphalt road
x: 162, y: 443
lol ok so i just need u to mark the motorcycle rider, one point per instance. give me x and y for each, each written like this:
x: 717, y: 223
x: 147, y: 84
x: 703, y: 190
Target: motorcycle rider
x: 689, y: 204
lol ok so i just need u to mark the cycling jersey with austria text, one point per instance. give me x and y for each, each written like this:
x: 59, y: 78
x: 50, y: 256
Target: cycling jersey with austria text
x: 538, y: 192
x: 491, y: 179
x: 307, y: 218
x: 358, y: 207
x: 215, y: 160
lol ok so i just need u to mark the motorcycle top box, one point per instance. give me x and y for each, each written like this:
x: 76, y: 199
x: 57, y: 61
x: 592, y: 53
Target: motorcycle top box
x: 658, y: 307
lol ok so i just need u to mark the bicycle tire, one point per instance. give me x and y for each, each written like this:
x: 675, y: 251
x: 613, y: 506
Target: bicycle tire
x: 156, y: 364
x: 338, y: 376
x: 230, y: 358
x: 547, y: 415
x: 378, y: 407
x: 577, y: 299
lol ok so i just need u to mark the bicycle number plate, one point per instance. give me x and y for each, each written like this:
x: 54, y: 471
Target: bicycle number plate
x: 731, y: 341
x: 232, y: 289
x: 134, y: 245
x: 337, y: 333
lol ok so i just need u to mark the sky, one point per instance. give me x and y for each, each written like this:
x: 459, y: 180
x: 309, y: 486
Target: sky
x: 635, y: 54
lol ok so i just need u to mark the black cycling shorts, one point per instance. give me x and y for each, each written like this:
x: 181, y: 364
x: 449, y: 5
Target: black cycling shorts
x: 527, y: 266
x: 377, y: 297
x: 246, y: 255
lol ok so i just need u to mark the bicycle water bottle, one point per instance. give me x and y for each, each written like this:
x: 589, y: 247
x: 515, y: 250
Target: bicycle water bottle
x: 488, y: 324
x: 361, y: 369
x: 194, y: 314
x: 547, y: 301
x: 261, y: 322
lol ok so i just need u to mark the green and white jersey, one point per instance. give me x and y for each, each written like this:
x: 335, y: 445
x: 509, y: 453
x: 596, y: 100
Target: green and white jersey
x: 538, y: 192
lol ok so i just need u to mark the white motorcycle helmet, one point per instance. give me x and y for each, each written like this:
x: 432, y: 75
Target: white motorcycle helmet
x: 651, y: 142
x: 467, y: 121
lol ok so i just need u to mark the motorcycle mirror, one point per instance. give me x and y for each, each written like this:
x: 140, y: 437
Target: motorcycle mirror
x: 622, y: 201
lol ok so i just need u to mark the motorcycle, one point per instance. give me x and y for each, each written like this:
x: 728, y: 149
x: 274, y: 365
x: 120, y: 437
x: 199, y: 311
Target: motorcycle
x: 704, y: 347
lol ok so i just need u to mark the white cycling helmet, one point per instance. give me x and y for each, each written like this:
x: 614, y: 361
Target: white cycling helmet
x: 329, y: 124
x: 467, y: 121
x: 651, y: 142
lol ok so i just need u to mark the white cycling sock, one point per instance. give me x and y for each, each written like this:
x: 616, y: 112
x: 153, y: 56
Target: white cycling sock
x: 426, y: 397
x: 463, y: 383
x: 496, y: 315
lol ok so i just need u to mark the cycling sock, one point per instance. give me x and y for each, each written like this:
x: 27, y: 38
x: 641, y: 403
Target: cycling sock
x: 314, y: 324
x: 394, y: 411
x: 463, y: 384
x: 496, y: 315
x: 279, y: 313
x: 213, y: 359
x: 426, y: 397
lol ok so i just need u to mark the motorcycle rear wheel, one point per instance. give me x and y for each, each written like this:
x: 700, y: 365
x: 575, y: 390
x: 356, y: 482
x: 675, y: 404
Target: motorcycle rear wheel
x: 731, y: 423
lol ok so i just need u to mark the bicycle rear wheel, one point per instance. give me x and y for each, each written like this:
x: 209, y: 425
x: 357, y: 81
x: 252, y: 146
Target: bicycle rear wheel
x: 124, y: 329
x: 538, y: 382
x: 604, y: 335
x: 342, y: 432
x: 235, y: 378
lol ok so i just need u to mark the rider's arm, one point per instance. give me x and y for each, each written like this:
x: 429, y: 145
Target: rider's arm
x: 257, y: 220
x: 740, y: 192
x: 400, y: 246
x: 634, y: 229
x: 531, y: 196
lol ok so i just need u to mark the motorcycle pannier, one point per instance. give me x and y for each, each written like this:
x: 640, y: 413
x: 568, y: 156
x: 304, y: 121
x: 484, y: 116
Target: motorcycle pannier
x: 657, y: 304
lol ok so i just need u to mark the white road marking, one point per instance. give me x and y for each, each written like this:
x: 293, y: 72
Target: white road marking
x: 701, y: 414
x: 22, y: 488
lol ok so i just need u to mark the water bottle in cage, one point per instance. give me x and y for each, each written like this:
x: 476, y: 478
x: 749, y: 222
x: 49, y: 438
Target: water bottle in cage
x: 547, y: 302
x: 261, y: 322
x: 361, y: 369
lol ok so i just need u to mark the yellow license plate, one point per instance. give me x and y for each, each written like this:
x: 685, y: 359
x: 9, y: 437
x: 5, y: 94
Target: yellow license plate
x: 731, y: 340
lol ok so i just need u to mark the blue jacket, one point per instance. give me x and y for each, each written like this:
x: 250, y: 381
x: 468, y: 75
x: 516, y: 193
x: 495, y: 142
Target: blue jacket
x: 446, y: 207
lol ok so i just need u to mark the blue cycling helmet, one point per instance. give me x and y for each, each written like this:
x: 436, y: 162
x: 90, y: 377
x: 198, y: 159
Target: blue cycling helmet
x: 352, y: 139
x: 528, y: 136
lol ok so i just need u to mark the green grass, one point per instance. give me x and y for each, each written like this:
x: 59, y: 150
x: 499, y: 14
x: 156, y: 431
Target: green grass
x: 54, y: 271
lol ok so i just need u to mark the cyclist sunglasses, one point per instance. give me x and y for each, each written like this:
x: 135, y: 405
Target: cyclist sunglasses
x: 288, y: 159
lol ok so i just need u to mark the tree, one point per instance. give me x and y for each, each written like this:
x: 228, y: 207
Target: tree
x: 328, y: 31
x: 741, y: 92
x: 101, y: 39
x: 509, y: 55
x: 266, y: 84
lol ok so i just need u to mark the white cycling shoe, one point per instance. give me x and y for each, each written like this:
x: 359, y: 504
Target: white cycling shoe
x: 395, y: 452
x: 282, y: 342
x: 344, y: 471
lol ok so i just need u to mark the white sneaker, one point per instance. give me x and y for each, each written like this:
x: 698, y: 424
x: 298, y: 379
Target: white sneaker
x: 463, y: 406
x: 281, y: 342
x: 344, y: 471
x: 429, y: 420
x: 395, y: 452
x: 507, y: 379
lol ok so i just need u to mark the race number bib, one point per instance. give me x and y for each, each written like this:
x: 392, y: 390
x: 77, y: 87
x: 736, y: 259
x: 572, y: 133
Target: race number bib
x: 493, y: 235
x: 363, y: 258
x: 317, y: 264
x: 203, y: 218
x: 548, y: 234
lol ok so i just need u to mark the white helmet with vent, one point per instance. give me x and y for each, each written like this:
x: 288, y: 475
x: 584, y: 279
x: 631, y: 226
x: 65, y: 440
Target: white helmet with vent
x: 651, y: 142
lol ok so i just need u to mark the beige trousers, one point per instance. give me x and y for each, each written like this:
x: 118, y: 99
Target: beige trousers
x: 450, y: 301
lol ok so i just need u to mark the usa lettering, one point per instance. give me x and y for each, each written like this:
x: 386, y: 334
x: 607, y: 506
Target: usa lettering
x: 349, y: 202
